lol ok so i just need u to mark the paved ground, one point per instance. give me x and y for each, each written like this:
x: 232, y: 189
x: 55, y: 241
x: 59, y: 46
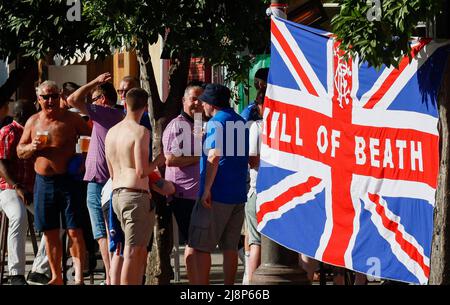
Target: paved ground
x: 216, y: 269
x: 98, y: 277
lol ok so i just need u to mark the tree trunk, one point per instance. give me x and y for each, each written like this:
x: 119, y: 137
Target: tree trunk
x: 159, y: 270
x: 178, y: 76
x: 148, y: 82
x: 440, y: 250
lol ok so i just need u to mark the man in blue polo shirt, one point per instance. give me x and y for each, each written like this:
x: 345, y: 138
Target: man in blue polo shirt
x: 251, y: 112
x: 218, y: 214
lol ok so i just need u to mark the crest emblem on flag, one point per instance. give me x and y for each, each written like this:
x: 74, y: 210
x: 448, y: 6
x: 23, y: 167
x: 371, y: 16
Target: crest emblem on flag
x: 350, y: 155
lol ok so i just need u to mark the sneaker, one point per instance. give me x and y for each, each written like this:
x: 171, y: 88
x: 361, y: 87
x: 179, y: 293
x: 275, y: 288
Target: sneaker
x: 245, y: 280
x: 17, y: 280
x: 37, y: 278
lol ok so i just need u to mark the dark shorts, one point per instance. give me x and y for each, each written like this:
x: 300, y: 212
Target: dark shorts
x: 182, y: 210
x: 56, y: 204
x: 116, y: 235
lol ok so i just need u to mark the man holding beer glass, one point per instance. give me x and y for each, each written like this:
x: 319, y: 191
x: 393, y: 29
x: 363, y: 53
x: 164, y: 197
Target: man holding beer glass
x: 103, y: 116
x: 50, y: 137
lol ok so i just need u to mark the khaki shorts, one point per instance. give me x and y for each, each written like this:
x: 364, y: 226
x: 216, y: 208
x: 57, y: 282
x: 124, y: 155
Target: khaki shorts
x: 254, y: 237
x: 135, y: 215
x: 221, y: 225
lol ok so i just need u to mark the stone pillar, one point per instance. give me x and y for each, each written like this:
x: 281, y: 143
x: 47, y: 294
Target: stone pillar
x: 279, y: 266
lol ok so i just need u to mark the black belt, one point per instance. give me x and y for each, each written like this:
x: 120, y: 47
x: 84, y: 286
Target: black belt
x: 129, y: 190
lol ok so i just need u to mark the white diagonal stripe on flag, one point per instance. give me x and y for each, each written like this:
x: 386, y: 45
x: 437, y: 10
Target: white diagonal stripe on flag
x: 286, y: 60
x: 280, y: 188
x: 389, y: 236
x: 301, y: 58
x: 404, y: 77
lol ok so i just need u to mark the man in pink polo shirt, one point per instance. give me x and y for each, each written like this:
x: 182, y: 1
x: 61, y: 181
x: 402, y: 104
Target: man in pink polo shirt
x: 183, y: 164
x: 103, y: 116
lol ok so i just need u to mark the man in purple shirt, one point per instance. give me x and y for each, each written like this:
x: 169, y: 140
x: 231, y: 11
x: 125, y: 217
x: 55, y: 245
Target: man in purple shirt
x: 103, y: 116
x: 182, y: 149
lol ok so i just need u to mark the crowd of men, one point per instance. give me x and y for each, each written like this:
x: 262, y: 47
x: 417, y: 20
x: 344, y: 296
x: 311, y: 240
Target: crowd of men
x: 103, y: 194
x: 43, y: 169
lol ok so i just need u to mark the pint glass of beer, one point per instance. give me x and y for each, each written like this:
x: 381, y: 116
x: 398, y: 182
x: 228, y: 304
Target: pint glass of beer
x: 84, y: 143
x: 43, y: 136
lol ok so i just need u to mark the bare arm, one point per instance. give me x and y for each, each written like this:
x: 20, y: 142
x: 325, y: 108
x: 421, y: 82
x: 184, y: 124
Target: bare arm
x: 27, y: 146
x: 181, y: 161
x: 159, y: 160
x: 212, y: 166
x: 164, y: 187
x: 254, y: 145
x: 107, y: 153
x: 77, y: 99
x: 141, y: 153
x: 253, y: 161
x: 9, y: 176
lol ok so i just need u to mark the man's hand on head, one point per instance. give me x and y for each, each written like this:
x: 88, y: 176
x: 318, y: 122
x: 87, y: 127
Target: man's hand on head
x: 103, y: 78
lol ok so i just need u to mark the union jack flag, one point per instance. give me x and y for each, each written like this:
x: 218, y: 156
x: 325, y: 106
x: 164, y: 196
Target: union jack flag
x: 349, y: 154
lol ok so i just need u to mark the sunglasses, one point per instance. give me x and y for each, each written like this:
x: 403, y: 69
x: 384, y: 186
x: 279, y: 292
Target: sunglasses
x: 48, y: 96
x: 97, y: 97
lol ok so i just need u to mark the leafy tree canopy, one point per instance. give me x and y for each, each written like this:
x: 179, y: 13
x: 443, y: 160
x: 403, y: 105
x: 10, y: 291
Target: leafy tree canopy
x: 382, y: 40
x: 35, y: 28
x: 224, y: 32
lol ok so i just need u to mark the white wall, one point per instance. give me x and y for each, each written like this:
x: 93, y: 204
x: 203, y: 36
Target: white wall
x: 71, y: 73
x: 161, y: 68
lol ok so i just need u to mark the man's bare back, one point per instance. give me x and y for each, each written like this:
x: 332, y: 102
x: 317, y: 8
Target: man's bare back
x: 52, y: 158
x: 127, y: 151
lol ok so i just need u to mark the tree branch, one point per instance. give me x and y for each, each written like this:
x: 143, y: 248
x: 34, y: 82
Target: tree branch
x: 148, y: 81
x: 178, y: 76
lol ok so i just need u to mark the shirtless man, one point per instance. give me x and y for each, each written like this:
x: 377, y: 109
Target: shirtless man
x: 127, y: 152
x: 53, y: 200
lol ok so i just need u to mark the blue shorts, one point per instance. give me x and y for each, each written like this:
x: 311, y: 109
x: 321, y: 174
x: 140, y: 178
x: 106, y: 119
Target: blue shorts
x: 116, y: 235
x: 94, y: 204
x: 55, y: 203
